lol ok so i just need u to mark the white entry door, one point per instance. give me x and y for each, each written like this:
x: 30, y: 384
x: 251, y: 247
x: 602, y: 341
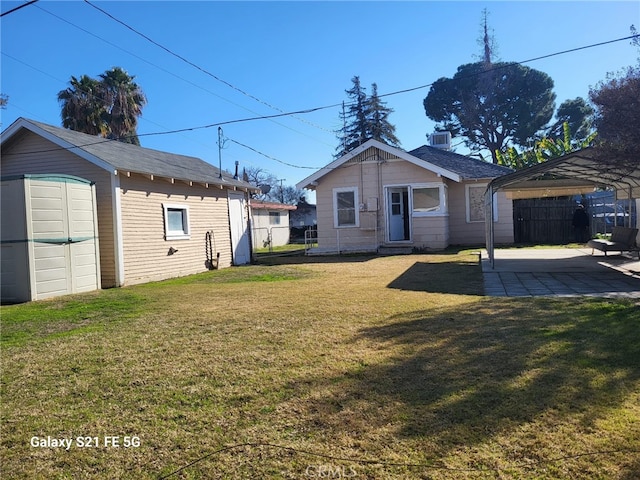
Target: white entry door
x: 397, y: 214
x: 238, y: 221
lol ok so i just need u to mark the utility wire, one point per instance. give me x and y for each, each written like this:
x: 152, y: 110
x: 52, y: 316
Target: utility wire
x: 18, y: 8
x: 510, y: 64
x: 194, y: 65
x: 177, y: 76
x: 335, y: 105
x: 269, y: 156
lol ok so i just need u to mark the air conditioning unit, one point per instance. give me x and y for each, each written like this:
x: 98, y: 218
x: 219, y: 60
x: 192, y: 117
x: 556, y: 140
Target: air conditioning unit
x: 440, y: 140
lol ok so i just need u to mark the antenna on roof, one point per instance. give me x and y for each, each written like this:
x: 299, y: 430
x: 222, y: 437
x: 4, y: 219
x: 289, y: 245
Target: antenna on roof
x: 220, y: 150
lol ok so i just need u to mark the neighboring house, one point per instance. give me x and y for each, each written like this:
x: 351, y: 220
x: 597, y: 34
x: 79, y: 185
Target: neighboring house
x: 159, y: 214
x: 378, y: 196
x: 304, y: 216
x: 270, y: 224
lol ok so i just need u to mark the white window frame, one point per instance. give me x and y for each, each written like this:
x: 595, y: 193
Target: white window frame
x: 442, y: 189
x: 275, y: 218
x: 336, y: 191
x: 467, y: 202
x: 185, y: 233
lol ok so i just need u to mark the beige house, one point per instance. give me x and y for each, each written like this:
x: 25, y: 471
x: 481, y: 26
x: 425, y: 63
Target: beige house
x: 380, y: 197
x: 270, y: 224
x: 159, y: 214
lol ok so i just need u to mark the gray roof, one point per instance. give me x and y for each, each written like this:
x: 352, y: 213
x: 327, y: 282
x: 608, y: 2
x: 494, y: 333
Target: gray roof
x: 132, y: 158
x: 468, y: 168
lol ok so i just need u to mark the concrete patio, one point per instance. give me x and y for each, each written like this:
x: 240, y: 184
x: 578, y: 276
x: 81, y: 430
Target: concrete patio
x: 529, y: 272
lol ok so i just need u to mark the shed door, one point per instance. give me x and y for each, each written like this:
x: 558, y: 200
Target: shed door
x: 238, y: 221
x: 63, y: 234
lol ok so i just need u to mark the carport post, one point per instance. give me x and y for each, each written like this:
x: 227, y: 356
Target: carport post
x: 488, y: 223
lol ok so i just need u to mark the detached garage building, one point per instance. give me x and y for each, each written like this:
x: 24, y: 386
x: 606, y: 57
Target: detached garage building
x: 159, y: 215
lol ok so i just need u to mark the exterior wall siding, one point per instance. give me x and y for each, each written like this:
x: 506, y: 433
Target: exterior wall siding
x: 370, y: 178
x: 428, y: 232
x: 261, y: 226
x: 146, y: 252
x: 33, y: 154
x: 464, y: 232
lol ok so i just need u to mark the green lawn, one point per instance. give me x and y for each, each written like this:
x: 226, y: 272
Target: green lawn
x: 345, y: 367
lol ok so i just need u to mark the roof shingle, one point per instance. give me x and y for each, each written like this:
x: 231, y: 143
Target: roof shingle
x: 468, y: 168
x: 132, y: 158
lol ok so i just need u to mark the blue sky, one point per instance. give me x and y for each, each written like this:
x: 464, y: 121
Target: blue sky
x: 292, y: 56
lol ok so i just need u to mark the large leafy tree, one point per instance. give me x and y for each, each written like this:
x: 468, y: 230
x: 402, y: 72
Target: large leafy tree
x: 364, y: 119
x: 579, y: 116
x: 108, y: 106
x: 617, y: 102
x: 272, y: 188
x: 492, y: 105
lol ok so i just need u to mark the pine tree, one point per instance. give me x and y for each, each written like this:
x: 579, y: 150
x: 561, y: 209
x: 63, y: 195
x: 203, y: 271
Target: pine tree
x: 379, y: 127
x: 364, y: 119
x: 354, y: 119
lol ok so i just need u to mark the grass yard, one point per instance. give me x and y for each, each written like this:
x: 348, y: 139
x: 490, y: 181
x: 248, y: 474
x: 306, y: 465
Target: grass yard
x: 348, y: 367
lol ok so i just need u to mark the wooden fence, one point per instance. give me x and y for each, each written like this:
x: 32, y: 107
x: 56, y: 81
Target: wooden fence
x: 543, y: 220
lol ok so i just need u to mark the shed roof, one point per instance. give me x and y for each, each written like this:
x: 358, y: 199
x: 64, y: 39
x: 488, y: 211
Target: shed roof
x: 259, y: 205
x: 124, y: 157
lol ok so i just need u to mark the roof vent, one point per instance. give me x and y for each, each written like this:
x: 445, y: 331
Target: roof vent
x: 440, y: 140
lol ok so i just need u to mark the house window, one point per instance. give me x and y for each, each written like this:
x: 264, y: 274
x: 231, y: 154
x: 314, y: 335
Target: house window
x: 176, y: 222
x: 345, y: 212
x: 274, y: 218
x: 428, y: 200
x: 475, y: 203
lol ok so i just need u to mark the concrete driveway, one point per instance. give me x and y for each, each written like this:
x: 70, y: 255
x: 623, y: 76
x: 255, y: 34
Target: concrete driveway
x: 528, y: 272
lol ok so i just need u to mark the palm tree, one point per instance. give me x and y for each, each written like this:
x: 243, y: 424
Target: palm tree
x: 108, y: 106
x: 82, y: 107
x: 124, y: 101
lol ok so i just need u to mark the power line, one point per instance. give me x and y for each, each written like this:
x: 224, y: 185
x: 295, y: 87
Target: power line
x: 324, y: 107
x: 18, y: 8
x: 269, y: 156
x: 177, y: 76
x: 194, y: 65
x: 510, y: 64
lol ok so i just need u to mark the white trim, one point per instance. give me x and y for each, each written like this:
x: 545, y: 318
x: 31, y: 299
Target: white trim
x: 387, y: 213
x: 442, y: 191
x: 467, y: 187
x: 355, y: 206
x: 118, y: 251
x: 185, y: 234
x: 26, y: 124
x: 310, y: 181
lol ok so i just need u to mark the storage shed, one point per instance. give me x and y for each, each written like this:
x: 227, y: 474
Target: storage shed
x: 49, y: 237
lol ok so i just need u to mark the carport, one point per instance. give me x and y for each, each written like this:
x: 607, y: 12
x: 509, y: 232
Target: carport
x: 576, y: 173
